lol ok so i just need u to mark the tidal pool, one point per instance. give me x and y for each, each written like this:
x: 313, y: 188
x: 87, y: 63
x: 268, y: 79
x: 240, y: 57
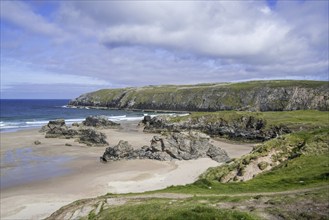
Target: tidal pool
x: 23, y: 165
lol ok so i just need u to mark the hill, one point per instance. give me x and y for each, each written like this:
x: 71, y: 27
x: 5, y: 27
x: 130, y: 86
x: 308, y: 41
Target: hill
x: 276, y: 95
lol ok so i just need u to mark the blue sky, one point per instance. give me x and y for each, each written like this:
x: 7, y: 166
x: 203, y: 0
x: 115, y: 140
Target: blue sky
x: 61, y: 49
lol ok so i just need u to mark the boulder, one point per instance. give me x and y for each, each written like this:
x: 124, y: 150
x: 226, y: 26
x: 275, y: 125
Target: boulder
x: 59, y: 123
x: 99, y: 122
x: 91, y: 137
x: 75, y: 124
x: 217, y: 154
x: 37, y: 142
x: 146, y: 120
x: 123, y: 150
x: 58, y: 129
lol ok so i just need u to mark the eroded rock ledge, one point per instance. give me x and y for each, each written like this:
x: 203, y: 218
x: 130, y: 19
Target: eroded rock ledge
x: 242, y: 127
x: 180, y: 146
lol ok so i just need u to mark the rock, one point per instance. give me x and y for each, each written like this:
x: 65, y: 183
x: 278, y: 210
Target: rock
x: 242, y: 127
x: 37, y: 142
x: 102, y: 159
x: 217, y: 154
x: 91, y: 137
x: 146, y: 120
x: 67, y: 144
x: 180, y: 146
x: 123, y: 150
x: 192, y: 145
x: 59, y: 123
x: 156, y: 144
x: 58, y: 129
x: 75, y: 124
x: 262, y: 165
x: 99, y: 122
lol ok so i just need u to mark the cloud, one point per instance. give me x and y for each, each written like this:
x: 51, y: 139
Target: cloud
x: 248, y: 31
x: 23, y: 16
x: 19, y: 74
x: 161, y: 42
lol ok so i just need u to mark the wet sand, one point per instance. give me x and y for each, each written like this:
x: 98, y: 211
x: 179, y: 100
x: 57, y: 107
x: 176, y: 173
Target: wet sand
x: 36, y: 180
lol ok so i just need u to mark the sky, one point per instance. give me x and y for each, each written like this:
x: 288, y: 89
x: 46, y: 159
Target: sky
x: 61, y: 49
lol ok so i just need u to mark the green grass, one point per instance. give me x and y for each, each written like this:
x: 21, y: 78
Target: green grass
x: 302, y: 172
x: 175, y: 209
x: 276, y: 84
x: 307, y: 165
x: 302, y: 206
x: 294, y: 120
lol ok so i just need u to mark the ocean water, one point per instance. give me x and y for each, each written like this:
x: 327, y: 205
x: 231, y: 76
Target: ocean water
x: 21, y: 114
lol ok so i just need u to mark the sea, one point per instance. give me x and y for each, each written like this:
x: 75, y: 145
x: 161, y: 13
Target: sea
x: 24, y: 114
x: 23, y: 165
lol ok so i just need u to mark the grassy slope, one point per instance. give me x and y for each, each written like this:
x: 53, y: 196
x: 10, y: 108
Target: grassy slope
x: 247, y: 200
x: 172, y: 209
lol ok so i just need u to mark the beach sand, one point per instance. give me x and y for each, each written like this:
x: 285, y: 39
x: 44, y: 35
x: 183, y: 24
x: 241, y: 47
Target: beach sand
x: 36, y: 180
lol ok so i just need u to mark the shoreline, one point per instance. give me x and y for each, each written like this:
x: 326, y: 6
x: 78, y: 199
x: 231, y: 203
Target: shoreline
x: 129, y: 109
x: 87, y: 177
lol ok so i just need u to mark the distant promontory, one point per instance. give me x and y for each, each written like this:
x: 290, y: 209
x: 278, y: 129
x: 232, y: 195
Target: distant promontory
x: 275, y: 95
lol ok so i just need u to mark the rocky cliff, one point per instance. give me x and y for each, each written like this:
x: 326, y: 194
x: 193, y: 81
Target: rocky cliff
x: 252, y: 96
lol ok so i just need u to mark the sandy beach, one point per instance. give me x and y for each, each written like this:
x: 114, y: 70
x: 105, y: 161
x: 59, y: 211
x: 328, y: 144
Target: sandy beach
x: 36, y: 180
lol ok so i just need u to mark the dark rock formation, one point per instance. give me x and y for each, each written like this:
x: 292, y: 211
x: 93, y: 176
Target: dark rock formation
x: 58, y: 129
x: 121, y: 151
x: 146, y: 120
x: 75, y: 124
x: 180, y: 146
x: 99, y: 122
x: 243, y: 127
x: 279, y: 95
x: 91, y: 137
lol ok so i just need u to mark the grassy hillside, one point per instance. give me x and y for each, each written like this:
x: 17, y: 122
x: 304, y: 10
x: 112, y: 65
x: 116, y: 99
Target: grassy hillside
x: 254, y: 95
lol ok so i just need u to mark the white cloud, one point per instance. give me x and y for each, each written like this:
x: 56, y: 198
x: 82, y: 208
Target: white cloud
x: 160, y: 42
x: 23, y: 16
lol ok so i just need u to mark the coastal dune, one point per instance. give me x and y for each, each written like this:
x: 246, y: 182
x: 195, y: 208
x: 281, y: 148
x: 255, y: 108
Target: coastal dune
x: 36, y: 180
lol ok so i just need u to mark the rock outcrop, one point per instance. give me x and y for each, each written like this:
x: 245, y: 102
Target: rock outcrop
x: 99, y: 122
x: 180, y: 146
x: 91, y: 137
x: 280, y: 95
x: 240, y: 127
x: 58, y: 129
x: 86, y: 135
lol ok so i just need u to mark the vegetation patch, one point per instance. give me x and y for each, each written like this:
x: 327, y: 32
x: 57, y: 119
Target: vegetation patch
x: 168, y: 209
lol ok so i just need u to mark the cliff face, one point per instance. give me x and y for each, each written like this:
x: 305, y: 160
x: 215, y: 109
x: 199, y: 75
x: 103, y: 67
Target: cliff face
x: 251, y: 96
